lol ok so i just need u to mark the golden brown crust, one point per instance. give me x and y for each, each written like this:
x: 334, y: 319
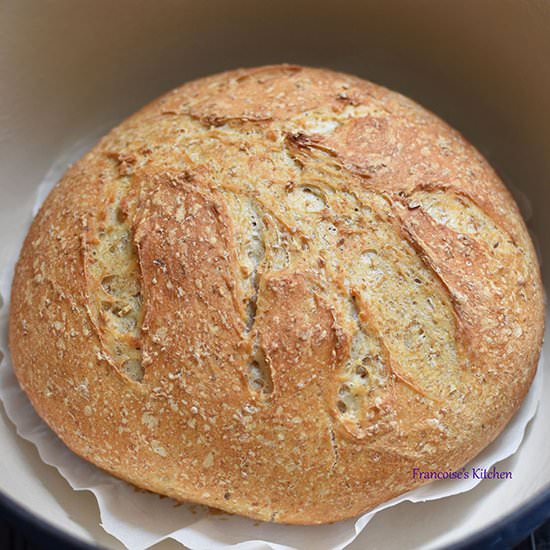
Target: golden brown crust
x: 276, y: 291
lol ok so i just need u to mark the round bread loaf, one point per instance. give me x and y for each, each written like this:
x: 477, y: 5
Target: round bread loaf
x: 278, y: 291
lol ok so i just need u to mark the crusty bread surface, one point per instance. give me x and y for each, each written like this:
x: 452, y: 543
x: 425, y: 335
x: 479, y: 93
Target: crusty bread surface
x: 278, y: 291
